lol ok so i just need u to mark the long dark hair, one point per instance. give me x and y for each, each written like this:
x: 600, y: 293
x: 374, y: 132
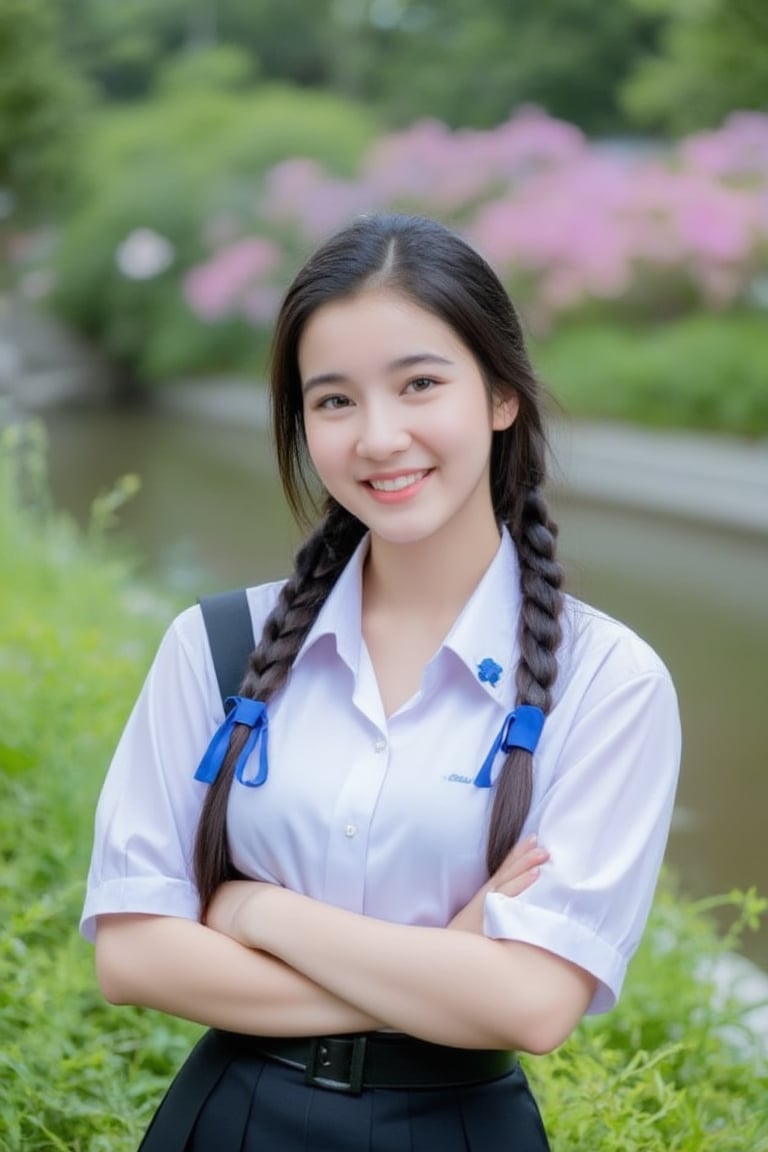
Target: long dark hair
x: 430, y: 265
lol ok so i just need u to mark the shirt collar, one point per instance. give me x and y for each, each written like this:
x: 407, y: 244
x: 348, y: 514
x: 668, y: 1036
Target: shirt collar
x: 484, y: 636
x: 341, y: 614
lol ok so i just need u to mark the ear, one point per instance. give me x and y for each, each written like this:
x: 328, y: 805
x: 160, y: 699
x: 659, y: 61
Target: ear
x: 504, y: 413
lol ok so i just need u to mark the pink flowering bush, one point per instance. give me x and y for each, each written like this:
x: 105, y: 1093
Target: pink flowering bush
x: 573, y: 226
x: 160, y: 259
x: 235, y: 277
x: 198, y: 210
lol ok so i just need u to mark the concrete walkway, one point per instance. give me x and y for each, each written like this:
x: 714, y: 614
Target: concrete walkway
x: 717, y: 479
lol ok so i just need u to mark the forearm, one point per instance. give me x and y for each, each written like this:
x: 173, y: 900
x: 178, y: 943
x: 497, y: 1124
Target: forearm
x: 450, y: 987
x: 185, y: 969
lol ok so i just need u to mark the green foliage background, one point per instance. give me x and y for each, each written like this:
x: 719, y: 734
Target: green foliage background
x: 165, y: 114
x: 671, y: 1068
x: 619, y: 68
x: 672, y: 64
x: 42, y: 96
x: 704, y: 372
x: 709, y: 58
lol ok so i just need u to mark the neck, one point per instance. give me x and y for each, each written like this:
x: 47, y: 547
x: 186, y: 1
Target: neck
x: 430, y: 578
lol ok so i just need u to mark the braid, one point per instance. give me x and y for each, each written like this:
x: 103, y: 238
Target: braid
x: 541, y: 578
x: 318, y: 565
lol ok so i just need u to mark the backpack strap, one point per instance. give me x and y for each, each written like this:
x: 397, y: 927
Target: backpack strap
x: 228, y: 623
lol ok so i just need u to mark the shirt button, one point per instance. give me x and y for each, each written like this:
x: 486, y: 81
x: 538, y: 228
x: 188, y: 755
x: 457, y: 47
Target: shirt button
x: 379, y: 745
x: 350, y: 831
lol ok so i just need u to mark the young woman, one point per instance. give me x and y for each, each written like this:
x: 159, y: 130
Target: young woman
x: 348, y: 892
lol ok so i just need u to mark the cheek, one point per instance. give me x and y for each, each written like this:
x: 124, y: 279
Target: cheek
x: 324, y: 445
x: 463, y: 429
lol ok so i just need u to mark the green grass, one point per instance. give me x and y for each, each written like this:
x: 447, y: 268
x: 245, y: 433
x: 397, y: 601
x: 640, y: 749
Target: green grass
x: 76, y: 634
x: 701, y: 372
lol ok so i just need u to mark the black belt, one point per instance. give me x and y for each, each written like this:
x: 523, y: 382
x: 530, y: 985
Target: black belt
x: 379, y: 1060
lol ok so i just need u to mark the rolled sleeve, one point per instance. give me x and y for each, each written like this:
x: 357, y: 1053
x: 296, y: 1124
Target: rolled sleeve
x: 507, y: 919
x: 604, y: 816
x: 150, y: 802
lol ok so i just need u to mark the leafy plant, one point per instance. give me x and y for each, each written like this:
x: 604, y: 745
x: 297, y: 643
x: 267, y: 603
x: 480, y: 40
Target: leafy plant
x: 702, y: 372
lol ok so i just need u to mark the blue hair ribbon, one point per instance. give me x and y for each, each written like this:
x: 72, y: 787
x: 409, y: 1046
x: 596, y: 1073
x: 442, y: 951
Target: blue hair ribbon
x: 521, y: 729
x: 240, y: 710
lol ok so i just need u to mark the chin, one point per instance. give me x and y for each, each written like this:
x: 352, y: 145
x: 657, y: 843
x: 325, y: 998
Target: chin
x: 404, y: 535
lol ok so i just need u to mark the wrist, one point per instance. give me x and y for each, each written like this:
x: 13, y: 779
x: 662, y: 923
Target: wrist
x: 260, y: 916
x: 470, y: 917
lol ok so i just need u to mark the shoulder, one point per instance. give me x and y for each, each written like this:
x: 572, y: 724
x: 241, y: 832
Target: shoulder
x: 186, y: 640
x: 600, y: 654
x: 188, y: 626
x: 594, y: 636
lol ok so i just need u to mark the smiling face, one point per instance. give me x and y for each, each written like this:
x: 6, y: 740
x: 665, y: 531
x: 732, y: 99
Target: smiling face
x: 398, y: 419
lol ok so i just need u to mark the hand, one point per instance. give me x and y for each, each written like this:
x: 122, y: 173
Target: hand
x: 518, y: 871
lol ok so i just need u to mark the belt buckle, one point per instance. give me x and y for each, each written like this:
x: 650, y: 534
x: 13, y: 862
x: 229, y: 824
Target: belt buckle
x: 323, y: 1068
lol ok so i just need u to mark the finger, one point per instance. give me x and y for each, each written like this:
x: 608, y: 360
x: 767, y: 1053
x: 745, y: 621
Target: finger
x: 532, y: 858
x: 521, y: 847
x: 517, y: 884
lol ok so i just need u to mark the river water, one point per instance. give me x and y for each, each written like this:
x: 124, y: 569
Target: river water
x: 210, y: 516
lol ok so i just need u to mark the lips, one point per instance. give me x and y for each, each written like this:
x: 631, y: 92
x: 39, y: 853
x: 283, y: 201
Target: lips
x: 397, y: 483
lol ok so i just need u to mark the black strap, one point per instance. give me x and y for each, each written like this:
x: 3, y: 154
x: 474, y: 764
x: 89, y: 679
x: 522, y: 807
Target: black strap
x: 227, y: 620
x: 352, y: 1062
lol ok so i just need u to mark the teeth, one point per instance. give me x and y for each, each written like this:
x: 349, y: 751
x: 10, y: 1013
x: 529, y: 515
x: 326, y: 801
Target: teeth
x: 397, y: 483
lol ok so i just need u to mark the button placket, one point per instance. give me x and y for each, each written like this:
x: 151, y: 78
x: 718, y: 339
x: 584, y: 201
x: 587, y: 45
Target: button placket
x: 349, y: 839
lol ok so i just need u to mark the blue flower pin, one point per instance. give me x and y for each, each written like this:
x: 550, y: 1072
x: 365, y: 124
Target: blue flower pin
x: 240, y: 710
x: 488, y: 671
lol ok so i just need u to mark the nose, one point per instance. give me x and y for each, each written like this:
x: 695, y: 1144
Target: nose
x: 381, y: 434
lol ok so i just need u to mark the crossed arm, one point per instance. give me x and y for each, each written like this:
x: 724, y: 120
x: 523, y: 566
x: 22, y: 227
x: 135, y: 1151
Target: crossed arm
x: 273, y: 962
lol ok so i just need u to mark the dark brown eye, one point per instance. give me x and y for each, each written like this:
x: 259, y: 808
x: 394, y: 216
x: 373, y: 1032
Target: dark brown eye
x: 333, y: 402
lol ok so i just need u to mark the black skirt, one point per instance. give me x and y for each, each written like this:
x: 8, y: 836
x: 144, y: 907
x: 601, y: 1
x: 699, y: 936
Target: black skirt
x: 227, y: 1098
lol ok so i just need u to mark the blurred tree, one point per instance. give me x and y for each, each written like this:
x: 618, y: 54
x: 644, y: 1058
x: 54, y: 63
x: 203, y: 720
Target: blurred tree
x: 226, y: 68
x: 473, y: 65
x: 121, y: 47
x: 712, y: 59
x: 467, y: 64
x: 40, y: 99
x: 294, y: 40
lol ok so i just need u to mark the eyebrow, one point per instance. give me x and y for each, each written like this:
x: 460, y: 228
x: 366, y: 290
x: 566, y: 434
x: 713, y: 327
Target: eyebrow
x: 410, y: 361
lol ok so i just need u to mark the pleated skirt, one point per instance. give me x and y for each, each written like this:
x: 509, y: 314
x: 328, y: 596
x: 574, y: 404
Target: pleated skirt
x: 225, y: 1098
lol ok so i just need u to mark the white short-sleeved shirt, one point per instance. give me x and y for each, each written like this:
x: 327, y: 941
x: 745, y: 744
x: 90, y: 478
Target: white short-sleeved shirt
x: 380, y: 814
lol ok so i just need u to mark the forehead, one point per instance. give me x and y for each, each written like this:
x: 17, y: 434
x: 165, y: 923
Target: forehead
x: 373, y: 327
